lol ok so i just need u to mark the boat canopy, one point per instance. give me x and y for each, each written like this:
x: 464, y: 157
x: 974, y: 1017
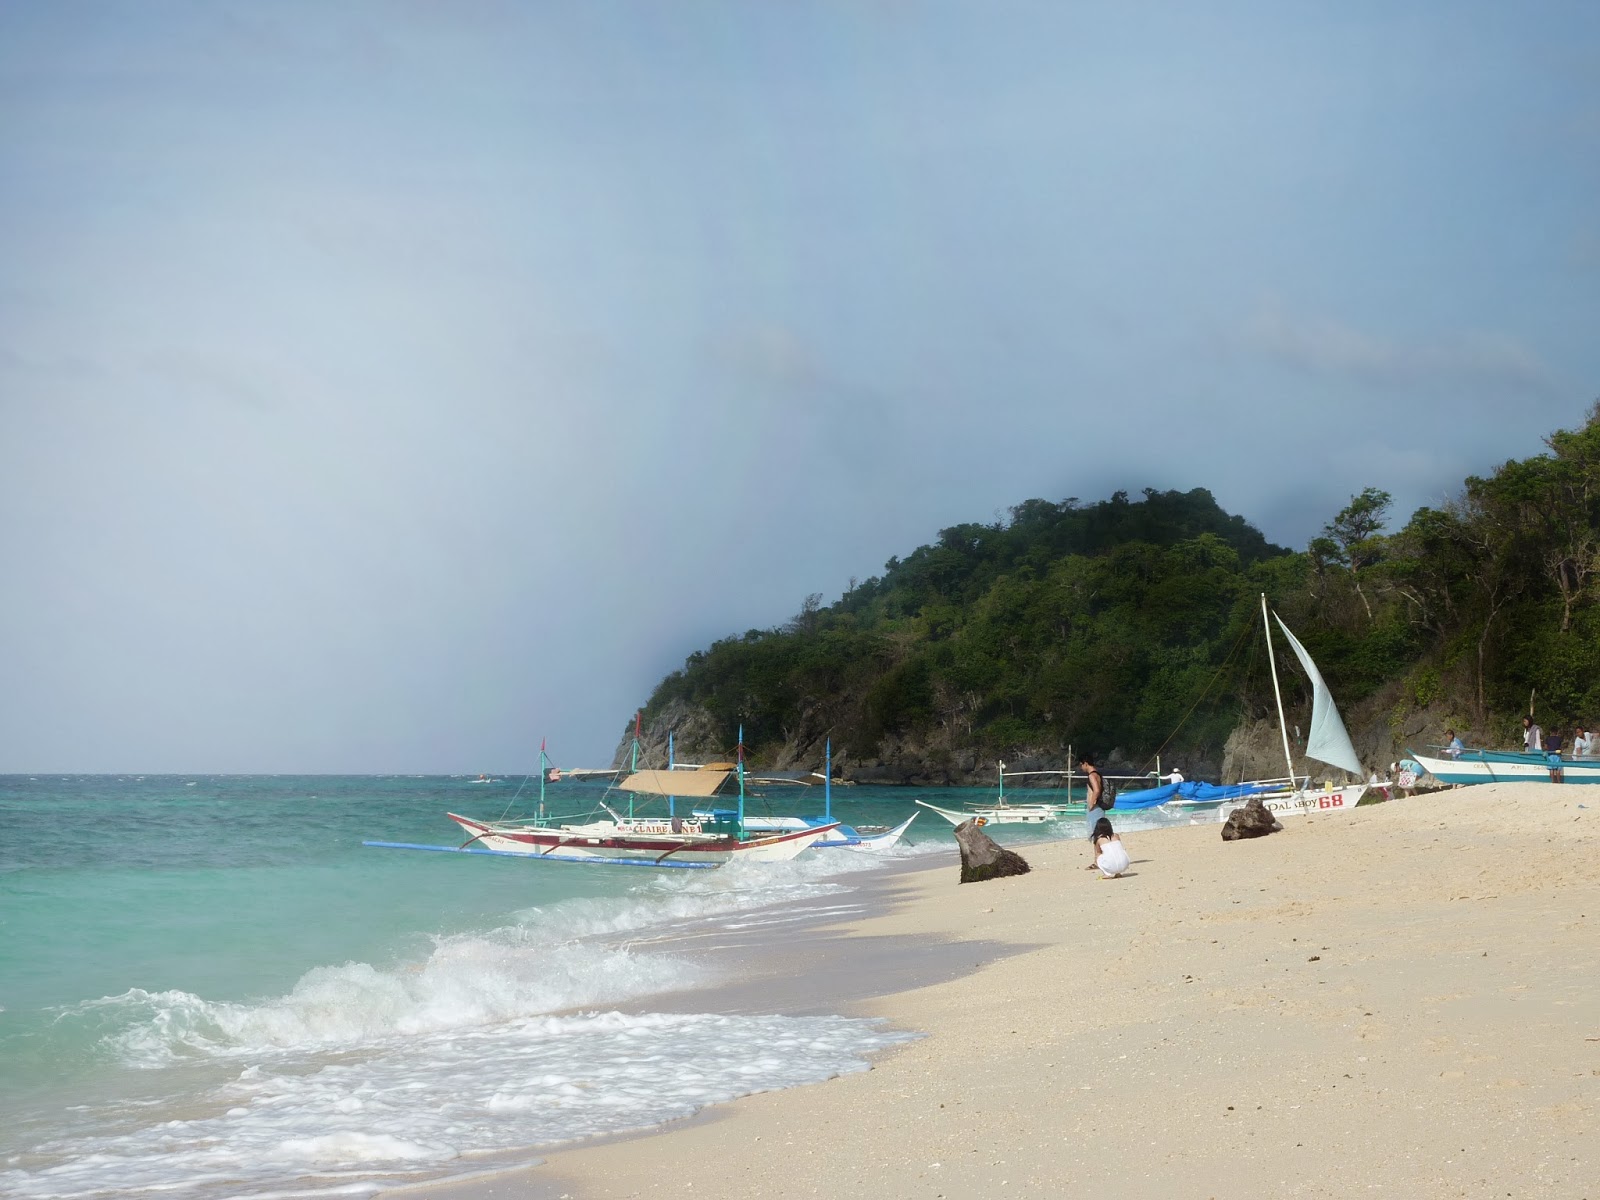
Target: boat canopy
x: 703, y: 782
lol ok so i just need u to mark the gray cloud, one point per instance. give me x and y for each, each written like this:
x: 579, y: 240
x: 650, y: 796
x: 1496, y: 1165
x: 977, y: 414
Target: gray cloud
x: 387, y: 387
x: 1326, y: 346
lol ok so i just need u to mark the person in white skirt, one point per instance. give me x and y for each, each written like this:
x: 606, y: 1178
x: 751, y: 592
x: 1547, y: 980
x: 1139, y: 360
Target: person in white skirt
x: 1111, y: 856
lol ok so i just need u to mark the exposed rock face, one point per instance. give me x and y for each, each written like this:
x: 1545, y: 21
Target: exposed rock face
x: 694, y: 738
x: 982, y: 858
x: 1381, y: 728
x: 1252, y: 821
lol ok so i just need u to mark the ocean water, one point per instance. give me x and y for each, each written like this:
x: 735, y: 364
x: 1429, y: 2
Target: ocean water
x: 209, y: 987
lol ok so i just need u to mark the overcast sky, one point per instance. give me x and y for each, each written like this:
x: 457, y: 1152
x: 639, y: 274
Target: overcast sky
x: 386, y: 387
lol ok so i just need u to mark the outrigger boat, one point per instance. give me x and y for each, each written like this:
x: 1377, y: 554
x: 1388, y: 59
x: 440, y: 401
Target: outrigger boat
x: 844, y: 837
x: 628, y: 840
x: 1002, y: 812
x: 1508, y: 766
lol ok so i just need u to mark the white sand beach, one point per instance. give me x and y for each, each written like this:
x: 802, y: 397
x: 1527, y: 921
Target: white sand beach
x: 1403, y: 1001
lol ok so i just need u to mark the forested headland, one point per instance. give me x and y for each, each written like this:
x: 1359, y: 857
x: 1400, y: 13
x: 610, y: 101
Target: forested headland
x: 1132, y: 626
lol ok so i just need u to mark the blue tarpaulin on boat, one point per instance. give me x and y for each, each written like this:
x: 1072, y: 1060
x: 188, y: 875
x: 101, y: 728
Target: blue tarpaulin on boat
x: 1146, y: 797
x: 1207, y: 793
x: 1191, y: 790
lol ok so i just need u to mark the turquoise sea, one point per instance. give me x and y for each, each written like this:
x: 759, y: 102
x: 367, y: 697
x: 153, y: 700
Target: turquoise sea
x: 209, y: 987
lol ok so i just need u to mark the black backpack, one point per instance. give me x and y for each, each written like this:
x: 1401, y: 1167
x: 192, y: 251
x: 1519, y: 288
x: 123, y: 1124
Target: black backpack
x: 1108, y: 794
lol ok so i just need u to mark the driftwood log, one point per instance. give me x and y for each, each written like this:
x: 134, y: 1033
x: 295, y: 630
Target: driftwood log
x: 982, y: 859
x: 1254, y: 820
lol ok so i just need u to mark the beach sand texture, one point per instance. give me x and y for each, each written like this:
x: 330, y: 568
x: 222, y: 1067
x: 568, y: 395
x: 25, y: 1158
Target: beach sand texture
x: 1399, y: 1001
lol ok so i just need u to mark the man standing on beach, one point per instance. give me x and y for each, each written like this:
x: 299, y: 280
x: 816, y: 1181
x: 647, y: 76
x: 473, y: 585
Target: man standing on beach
x: 1092, y: 812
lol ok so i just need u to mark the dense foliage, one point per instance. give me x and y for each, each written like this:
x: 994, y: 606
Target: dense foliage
x: 1135, y: 624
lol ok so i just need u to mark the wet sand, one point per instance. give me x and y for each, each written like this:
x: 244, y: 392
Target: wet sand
x: 1402, y: 1000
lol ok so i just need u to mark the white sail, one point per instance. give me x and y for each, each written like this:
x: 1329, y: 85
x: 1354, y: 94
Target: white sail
x: 1328, y: 741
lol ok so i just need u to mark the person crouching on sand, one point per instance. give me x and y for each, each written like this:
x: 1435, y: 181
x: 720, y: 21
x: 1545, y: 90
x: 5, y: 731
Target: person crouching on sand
x: 1111, y: 856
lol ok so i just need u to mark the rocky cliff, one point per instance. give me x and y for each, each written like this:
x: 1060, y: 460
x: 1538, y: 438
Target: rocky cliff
x: 1381, y: 729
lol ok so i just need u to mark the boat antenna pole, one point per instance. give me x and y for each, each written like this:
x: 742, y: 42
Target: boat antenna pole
x: 1272, y: 665
x: 741, y: 780
x: 827, y: 781
x: 1000, y: 801
x: 638, y: 717
x: 672, y: 801
x: 544, y: 773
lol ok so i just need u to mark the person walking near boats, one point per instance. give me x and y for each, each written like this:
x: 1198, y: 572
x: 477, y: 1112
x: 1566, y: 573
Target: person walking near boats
x: 1453, y: 747
x: 1582, y: 742
x: 1552, y: 756
x: 1092, y: 810
x: 1532, y: 737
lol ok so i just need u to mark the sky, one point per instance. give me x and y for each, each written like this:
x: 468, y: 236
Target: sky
x: 391, y: 387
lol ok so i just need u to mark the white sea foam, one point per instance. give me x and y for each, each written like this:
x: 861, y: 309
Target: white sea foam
x: 429, y: 1101
x: 574, y: 953
x: 365, y: 1070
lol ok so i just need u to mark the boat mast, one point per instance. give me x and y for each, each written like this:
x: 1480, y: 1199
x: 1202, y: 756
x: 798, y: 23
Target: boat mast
x: 827, y: 781
x: 1272, y: 664
x: 544, y: 773
x: 741, y: 780
x: 672, y: 801
x: 633, y: 765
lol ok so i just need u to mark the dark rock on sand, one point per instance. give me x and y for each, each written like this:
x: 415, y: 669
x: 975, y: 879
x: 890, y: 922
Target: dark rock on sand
x: 1252, y: 821
x: 982, y: 858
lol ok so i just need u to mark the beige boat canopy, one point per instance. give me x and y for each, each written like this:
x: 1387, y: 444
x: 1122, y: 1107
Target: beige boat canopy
x: 702, y: 782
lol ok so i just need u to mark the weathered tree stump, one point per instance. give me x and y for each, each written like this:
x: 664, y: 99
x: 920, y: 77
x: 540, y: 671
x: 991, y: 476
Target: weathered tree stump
x: 1252, y: 821
x: 982, y: 859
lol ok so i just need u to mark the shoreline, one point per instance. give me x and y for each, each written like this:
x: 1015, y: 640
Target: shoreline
x: 1346, y: 1005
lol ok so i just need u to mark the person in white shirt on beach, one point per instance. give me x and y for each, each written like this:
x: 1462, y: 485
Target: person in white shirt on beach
x: 1532, y: 737
x: 1111, y: 856
x: 1582, y: 742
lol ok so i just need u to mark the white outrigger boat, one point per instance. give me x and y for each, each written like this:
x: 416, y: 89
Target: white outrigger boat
x: 618, y: 839
x: 1003, y: 812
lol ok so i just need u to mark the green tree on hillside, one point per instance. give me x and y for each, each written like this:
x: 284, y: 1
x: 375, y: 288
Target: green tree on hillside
x: 1130, y: 622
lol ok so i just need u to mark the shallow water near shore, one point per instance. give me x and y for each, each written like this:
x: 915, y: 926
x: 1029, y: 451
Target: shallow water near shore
x: 208, y: 986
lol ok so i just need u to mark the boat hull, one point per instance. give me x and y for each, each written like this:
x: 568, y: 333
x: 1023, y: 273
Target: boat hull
x: 1506, y: 766
x: 1305, y: 800
x: 1009, y: 814
x: 639, y: 842
x: 839, y: 837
